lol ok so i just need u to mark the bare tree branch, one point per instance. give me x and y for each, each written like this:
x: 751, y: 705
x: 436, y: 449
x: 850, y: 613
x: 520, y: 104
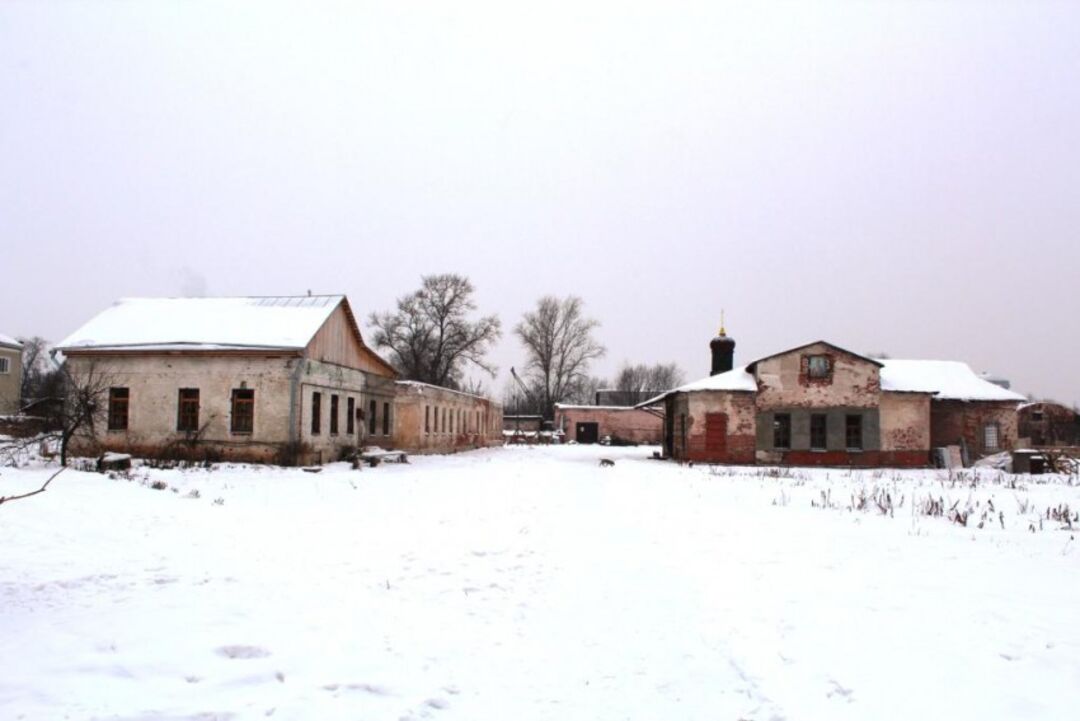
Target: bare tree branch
x: 5, y: 499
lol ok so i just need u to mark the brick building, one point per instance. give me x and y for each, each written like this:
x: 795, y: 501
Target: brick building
x: 819, y: 404
x: 431, y: 419
x: 247, y: 379
x: 1044, y: 423
x: 590, y: 424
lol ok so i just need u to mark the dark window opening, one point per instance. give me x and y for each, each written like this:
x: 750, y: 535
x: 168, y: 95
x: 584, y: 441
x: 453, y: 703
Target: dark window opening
x: 782, y: 431
x: 427, y: 419
x: 187, y: 410
x: 818, y: 431
x: 386, y: 419
x: 243, y: 410
x: 350, y: 416
x: 118, y: 409
x: 333, y: 415
x: 316, y: 413
x: 373, y: 409
x: 853, y: 433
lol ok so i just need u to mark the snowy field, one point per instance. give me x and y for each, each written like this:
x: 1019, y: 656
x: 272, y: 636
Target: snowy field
x: 530, y: 583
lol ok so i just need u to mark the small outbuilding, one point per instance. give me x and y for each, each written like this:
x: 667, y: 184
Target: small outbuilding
x: 1045, y: 423
x: 617, y: 424
x: 10, y: 375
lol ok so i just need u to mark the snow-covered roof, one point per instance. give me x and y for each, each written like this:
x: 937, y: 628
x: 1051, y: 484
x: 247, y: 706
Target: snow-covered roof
x: 281, y: 322
x: 951, y: 380
x: 736, y: 379
x: 9, y: 341
x: 420, y: 387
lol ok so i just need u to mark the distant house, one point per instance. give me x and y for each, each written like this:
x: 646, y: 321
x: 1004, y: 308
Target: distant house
x: 432, y: 419
x: 10, y: 375
x: 819, y: 404
x: 252, y: 379
x: 1044, y: 423
x: 591, y: 424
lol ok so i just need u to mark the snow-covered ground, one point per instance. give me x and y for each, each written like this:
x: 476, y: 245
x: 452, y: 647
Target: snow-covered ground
x: 530, y: 583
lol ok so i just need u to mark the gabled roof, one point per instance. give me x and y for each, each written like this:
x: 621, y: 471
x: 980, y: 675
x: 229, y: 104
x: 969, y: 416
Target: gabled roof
x: 251, y: 323
x: 948, y: 380
x: 736, y: 379
x: 8, y: 341
x: 807, y: 345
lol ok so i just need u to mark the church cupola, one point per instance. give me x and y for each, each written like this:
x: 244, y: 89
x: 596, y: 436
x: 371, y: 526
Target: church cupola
x: 723, y: 351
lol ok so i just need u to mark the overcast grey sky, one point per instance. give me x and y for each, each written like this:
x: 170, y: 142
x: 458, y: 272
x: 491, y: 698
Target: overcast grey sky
x: 893, y: 176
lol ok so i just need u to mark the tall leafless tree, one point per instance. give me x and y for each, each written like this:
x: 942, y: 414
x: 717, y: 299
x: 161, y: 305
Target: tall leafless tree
x: 36, y: 368
x: 430, y: 337
x: 559, y: 346
x: 636, y: 383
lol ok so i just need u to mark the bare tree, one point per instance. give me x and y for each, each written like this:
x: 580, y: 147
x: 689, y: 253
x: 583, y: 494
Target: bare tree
x: 635, y: 383
x: 430, y: 337
x: 85, y: 399
x: 36, y: 368
x: 559, y: 346
x: 584, y: 391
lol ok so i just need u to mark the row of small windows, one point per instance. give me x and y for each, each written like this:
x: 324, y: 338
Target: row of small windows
x: 351, y: 415
x: 819, y: 431
x: 452, y: 420
x: 242, y: 418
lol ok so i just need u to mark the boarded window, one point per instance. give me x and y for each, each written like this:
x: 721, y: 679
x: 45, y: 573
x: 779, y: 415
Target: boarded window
x: 350, y: 416
x: 782, y: 431
x: 373, y: 409
x: 243, y: 410
x: 991, y: 437
x: 316, y: 413
x: 118, y: 409
x: 853, y: 432
x: 819, y: 431
x: 333, y: 415
x: 187, y: 410
x: 386, y: 419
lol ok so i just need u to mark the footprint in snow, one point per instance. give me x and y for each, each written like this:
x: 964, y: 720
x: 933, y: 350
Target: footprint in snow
x: 242, y: 652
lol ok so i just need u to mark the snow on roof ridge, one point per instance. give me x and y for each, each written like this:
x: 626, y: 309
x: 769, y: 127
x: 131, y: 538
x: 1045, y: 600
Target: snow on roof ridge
x: 737, y: 379
x: 9, y: 340
x: 214, y: 322
x: 422, y: 384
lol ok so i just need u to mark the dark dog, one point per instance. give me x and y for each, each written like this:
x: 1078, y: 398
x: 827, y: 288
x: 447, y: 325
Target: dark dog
x: 607, y: 462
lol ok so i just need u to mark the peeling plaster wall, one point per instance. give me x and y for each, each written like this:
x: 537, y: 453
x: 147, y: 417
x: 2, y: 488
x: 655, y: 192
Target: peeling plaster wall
x: 783, y: 382
x: 905, y: 422
x: 471, y: 421
x: 955, y: 422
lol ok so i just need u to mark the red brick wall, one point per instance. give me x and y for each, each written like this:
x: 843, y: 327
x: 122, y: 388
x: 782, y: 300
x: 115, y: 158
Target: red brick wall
x: 951, y: 421
x: 628, y: 424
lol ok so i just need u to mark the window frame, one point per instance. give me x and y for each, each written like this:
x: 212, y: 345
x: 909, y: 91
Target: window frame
x: 986, y: 432
x: 819, y: 374
x: 350, y: 416
x: 316, y: 413
x: 782, y: 431
x: 186, y: 420
x: 5, y: 365
x: 854, y: 429
x: 373, y: 410
x: 242, y: 407
x: 119, y: 404
x: 386, y: 418
x: 823, y: 431
x: 335, y: 409
x: 427, y: 419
